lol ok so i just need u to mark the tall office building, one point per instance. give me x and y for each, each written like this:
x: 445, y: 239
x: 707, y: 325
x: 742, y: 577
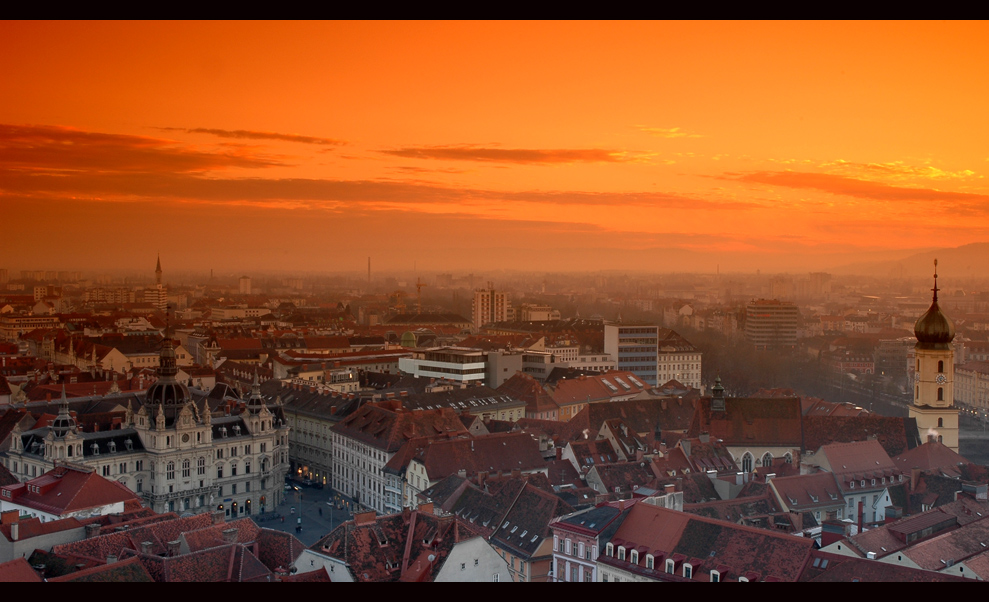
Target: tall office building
x: 771, y: 324
x: 245, y: 285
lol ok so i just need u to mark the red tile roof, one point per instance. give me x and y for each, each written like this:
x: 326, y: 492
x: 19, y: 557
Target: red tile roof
x: 387, y: 426
x: 18, y: 571
x: 931, y: 456
x: 771, y: 422
x: 895, y: 434
x: 129, y: 570
x: 64, y: 490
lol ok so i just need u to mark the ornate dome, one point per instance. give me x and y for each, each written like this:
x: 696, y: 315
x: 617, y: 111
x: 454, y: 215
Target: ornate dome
x: 64, y: 423
x: 167, y: 391
x: 934, y: 330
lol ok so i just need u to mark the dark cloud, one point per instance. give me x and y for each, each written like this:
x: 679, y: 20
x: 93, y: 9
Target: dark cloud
x: 961, y: 201
x: 191, y: 187
x: 253, y: 135
x: 511, y: 155
x: 60, y: 148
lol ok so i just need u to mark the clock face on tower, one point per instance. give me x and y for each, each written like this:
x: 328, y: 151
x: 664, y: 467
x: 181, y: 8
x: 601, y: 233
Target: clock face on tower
x: 941, y: 379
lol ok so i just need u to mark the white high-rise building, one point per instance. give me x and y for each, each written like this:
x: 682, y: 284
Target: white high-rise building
x: 245, y: 285
x: 490, y: 306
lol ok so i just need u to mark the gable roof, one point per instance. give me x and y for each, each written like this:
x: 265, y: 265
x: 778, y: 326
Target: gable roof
x: 769, y: 422
x: 895, y: 434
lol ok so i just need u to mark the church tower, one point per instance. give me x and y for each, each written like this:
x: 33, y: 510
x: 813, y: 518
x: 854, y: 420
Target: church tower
x: 933, y: 401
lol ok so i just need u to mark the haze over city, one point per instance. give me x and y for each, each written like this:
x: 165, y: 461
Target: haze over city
x: 546, y: 146
x: 494, y: 302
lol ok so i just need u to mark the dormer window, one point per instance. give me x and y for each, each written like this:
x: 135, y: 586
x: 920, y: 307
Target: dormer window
x: 715, y: 576
x: 873, y: 481
x: 128, y: 445
x: 863, y: 483
x: 670, y: 566
x: 609, y: 549
x: 621, y: 552
x: 851, y: 485
x: 634, y: 557
x: 688, y: 571
x: 112, y: 446
x: 650, y: 561
x: 96, y: 449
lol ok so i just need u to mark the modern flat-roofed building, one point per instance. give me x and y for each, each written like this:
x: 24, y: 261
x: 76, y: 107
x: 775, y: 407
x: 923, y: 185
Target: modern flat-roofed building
x: 635, y: 347
x: 771, y: 324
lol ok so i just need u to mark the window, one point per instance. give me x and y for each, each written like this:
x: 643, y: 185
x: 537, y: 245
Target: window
x: 609, y: 549
x: 747, y: 462
x: 106, y: 470
x: 688, y: 571
x: 138, y: 465
x: 233, y: 470
x: 201, y: 466
x: 140, y: 485
x: 650, y: 561
x: 170, y: 471
x: 940, y: 366
x: 715, y: 576
x: 186, y: 469
x: 940, y: 395
x: 670, y: 566
x: 621, y: 552
x: 219, y: 472
x: 634, y: 557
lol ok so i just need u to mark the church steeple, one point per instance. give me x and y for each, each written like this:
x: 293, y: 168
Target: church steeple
x: 158, y: 272
x: 933, y: 395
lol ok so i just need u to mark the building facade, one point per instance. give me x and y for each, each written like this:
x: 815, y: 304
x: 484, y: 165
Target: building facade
x: 635, y: 348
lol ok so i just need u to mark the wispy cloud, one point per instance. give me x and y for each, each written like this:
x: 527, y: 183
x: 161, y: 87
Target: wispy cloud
x: 966, y: 202
x: 897, y: 170
x: 667, y: 132
x: 59, y: 148
x: 514, y: 155
x: 255, y: 135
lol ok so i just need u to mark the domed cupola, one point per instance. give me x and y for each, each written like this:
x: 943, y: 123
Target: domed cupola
x: 934, y: 330
x: 168, y: 392
x: 64, y: 423
x: 255, y: 403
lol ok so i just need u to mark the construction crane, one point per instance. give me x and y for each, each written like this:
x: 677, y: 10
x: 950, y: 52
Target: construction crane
x: 419, y: 285
x: 399, y: 304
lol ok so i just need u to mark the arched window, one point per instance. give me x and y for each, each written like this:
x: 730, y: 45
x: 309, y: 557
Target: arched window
x: 170, y: 471
x: 186, y: 469
x: 788, y: 458
x: 940, y: 366
x: 940, y: 394
x: 747, y: 462
x: 201, y: 466
x: 767, y: 459
x: 940, y: 422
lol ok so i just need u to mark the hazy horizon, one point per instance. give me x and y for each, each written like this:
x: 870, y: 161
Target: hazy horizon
x: 570, y: 147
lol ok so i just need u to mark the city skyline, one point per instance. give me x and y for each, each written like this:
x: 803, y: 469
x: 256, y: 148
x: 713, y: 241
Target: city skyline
x: 447, y: 146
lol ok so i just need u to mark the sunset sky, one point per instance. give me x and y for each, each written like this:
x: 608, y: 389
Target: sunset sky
x: 460, y: 146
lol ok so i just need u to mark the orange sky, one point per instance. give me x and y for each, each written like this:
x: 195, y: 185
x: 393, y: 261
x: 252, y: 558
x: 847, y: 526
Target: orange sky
x: 634, y: 146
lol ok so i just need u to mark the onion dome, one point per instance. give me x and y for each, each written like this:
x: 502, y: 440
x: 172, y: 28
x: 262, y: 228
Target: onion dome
x: 934, y: 330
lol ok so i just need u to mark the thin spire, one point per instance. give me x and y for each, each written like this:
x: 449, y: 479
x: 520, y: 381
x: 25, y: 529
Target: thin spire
x: 935, y: 281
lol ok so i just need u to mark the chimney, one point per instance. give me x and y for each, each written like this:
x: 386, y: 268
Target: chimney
x: 669, y: 488
x: 482, y: 475
x: 516, y: 473
x: 462, y: 473
x: 861, y: 515
x: 621, y: 505
x: 832, y: 530
x: 770, y: 477
x: 92, y: 530
x: 173, y: 547
x: 914, y: 475
x: 111, y: 558
x: 426, y: 508
x: 559, y: 453
x: 705, y: 437
x: 15, y: 531
x: 229, y: 535
x: 10, y: 517
x: 146, y: 547
x: 365, y: 518
x: 218, y: 518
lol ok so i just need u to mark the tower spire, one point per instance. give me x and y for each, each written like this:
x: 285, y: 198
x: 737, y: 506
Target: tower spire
x: 935, y: 281
x: 158, y: 271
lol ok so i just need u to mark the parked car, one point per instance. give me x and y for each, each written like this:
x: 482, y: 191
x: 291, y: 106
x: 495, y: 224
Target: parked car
x: 308, y: 482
